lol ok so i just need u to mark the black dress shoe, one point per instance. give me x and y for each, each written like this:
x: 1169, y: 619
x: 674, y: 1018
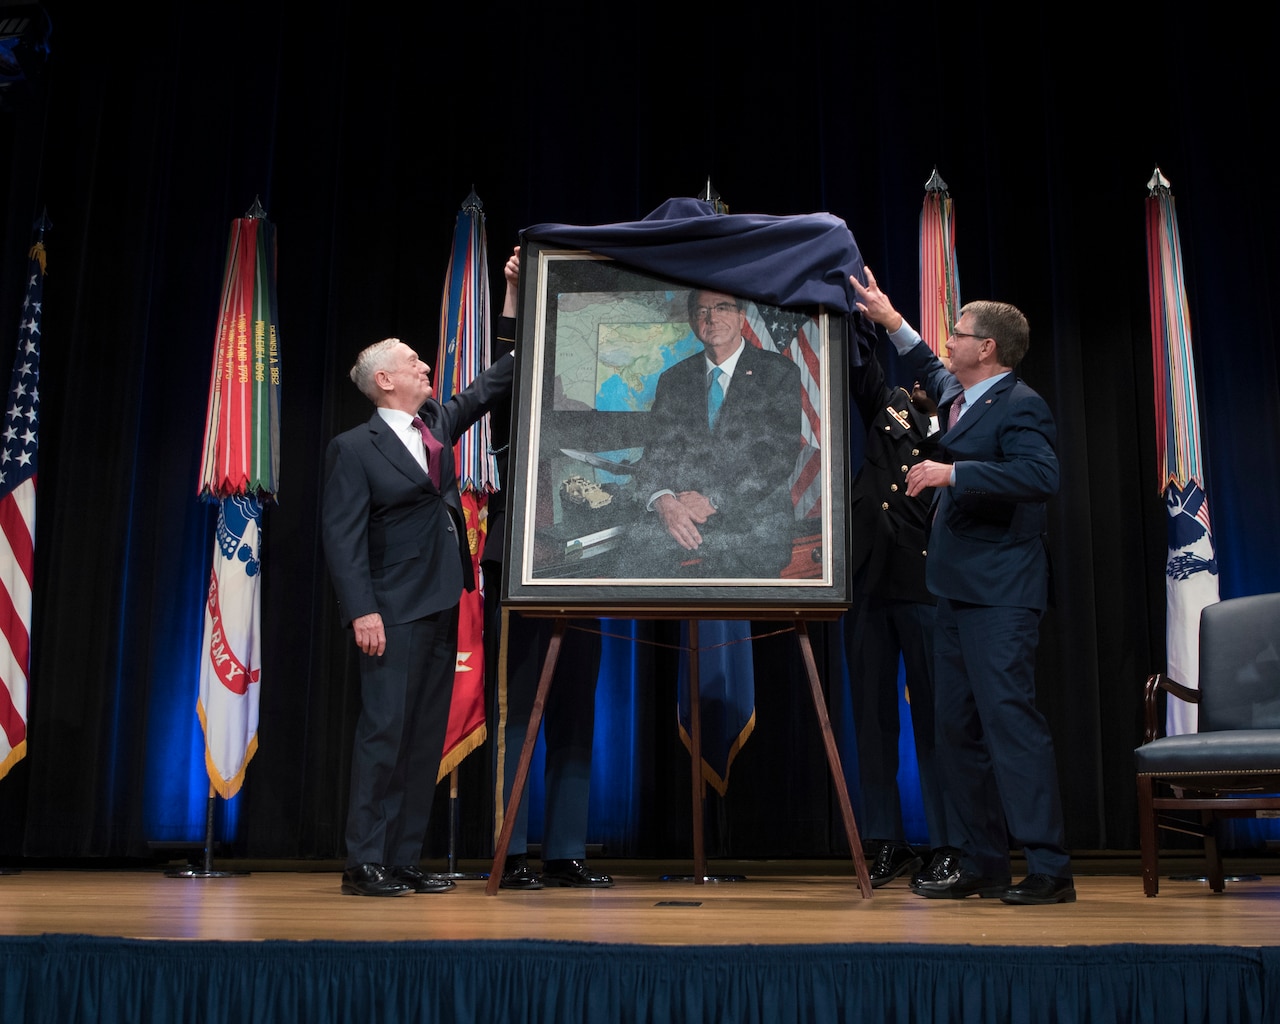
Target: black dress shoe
x: 947, y: 879
x: 964, y: 885
x: 573, y: 873
x: 894, y: 859
x: 516, y: 874
x: 418, y: 880
x: 944, y: 862
x: 371, y: 880
x: 1037, y: 890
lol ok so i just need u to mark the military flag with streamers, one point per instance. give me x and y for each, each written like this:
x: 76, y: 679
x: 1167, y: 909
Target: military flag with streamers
x: 464, y: 353
x: 18, y: 514
x: 939, y: 278
x: 240, y: 470
x: 1191, y: 568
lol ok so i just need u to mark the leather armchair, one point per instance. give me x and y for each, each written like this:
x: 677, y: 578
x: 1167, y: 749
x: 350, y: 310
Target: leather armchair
x: 1231, y: 766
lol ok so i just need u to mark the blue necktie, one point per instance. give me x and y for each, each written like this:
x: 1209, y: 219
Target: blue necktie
x: 715, y: 397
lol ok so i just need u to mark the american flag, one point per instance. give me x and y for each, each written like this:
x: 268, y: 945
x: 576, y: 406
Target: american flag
x: 18, y: 519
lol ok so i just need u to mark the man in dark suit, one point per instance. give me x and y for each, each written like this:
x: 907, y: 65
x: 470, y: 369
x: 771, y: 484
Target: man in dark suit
x: 892, y: 614
x: 395, y: 542
x: 724, y: 433
x: 988, y: 565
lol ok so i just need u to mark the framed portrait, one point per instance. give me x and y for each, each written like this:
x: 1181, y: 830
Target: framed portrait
x: 674, y: 449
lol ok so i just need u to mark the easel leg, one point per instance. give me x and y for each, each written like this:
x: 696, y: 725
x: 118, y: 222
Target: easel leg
x: 526, y: 756
x: 833, y: 761
x: 695, y: 757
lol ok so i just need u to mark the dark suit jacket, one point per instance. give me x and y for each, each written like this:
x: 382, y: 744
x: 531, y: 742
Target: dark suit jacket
x: 395, y: 543
x: 743, y: 466
x: 987, y: 542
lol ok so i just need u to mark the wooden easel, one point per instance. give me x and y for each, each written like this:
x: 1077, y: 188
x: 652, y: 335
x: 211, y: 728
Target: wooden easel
x: 695, y: 757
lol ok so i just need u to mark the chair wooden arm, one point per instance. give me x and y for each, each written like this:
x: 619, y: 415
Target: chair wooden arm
x: 1160, y: 681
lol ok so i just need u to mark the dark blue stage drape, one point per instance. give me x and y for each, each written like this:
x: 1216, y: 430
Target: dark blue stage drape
x: 531, y: 982
x: 362, y: 130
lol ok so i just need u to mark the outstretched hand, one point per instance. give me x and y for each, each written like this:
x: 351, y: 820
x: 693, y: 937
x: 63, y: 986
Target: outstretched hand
x: 511, y: 271
x: 875, y: 303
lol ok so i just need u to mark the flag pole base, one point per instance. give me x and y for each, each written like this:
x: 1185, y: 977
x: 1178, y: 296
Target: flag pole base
x: 705, y: 878
x: 1225, y: 878
x: 453, y: 874
x: 207, y: 871
x: 201, y: 873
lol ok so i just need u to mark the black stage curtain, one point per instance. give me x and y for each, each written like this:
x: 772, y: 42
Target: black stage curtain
x: 362, y: 130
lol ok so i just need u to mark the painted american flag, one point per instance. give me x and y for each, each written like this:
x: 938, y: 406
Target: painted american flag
x: 794, y: 335
x: 18, y: 518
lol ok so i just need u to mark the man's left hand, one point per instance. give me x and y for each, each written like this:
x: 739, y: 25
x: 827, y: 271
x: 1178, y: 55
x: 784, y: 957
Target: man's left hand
x: 927, y: 474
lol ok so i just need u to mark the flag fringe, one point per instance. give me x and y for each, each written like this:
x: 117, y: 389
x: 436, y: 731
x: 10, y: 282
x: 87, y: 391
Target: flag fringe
x: 472, y: 741
x: 709, y: 774
x: 15, y: 755
x: 225, y: 788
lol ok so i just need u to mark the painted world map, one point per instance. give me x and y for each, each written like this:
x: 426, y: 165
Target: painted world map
x: 612, y: 347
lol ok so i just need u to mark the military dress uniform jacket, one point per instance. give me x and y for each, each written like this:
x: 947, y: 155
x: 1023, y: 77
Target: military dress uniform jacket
x: 890, y: 530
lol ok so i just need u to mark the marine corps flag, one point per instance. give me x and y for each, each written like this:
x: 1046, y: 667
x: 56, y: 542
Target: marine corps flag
x: 1191, y: 568
x: 463, y: 356
x: 240, y: 470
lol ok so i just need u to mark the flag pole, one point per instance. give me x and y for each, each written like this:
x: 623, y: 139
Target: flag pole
x: 240, y: 472
x: 699, y: 779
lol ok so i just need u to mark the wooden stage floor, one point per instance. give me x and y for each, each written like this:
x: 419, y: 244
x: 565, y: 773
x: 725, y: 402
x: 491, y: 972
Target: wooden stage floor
x: 778, y: 903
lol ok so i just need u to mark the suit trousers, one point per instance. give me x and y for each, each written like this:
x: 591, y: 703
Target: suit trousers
x: 568, y: 727
x: 404, y: 714
x: 995, y: 753
x: 877, y: 633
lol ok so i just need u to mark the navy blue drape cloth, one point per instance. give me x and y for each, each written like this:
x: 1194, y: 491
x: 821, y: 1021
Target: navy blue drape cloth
x: 784, y: 261
x: 64, y: 978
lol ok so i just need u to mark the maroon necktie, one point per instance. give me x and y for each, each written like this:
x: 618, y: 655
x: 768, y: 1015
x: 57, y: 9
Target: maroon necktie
x: 433, y: 447
x: 953, y: 417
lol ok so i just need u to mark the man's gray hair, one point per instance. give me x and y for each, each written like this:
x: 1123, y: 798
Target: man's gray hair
x: 369, y: 362
x: 1004, y: 324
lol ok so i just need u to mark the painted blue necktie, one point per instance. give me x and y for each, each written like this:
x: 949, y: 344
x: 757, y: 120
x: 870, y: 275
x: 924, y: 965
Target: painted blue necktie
x: 715, y: 396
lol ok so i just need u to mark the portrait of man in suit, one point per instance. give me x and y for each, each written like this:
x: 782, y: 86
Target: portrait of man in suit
x: 721, y: 444
x: 395, y: 542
